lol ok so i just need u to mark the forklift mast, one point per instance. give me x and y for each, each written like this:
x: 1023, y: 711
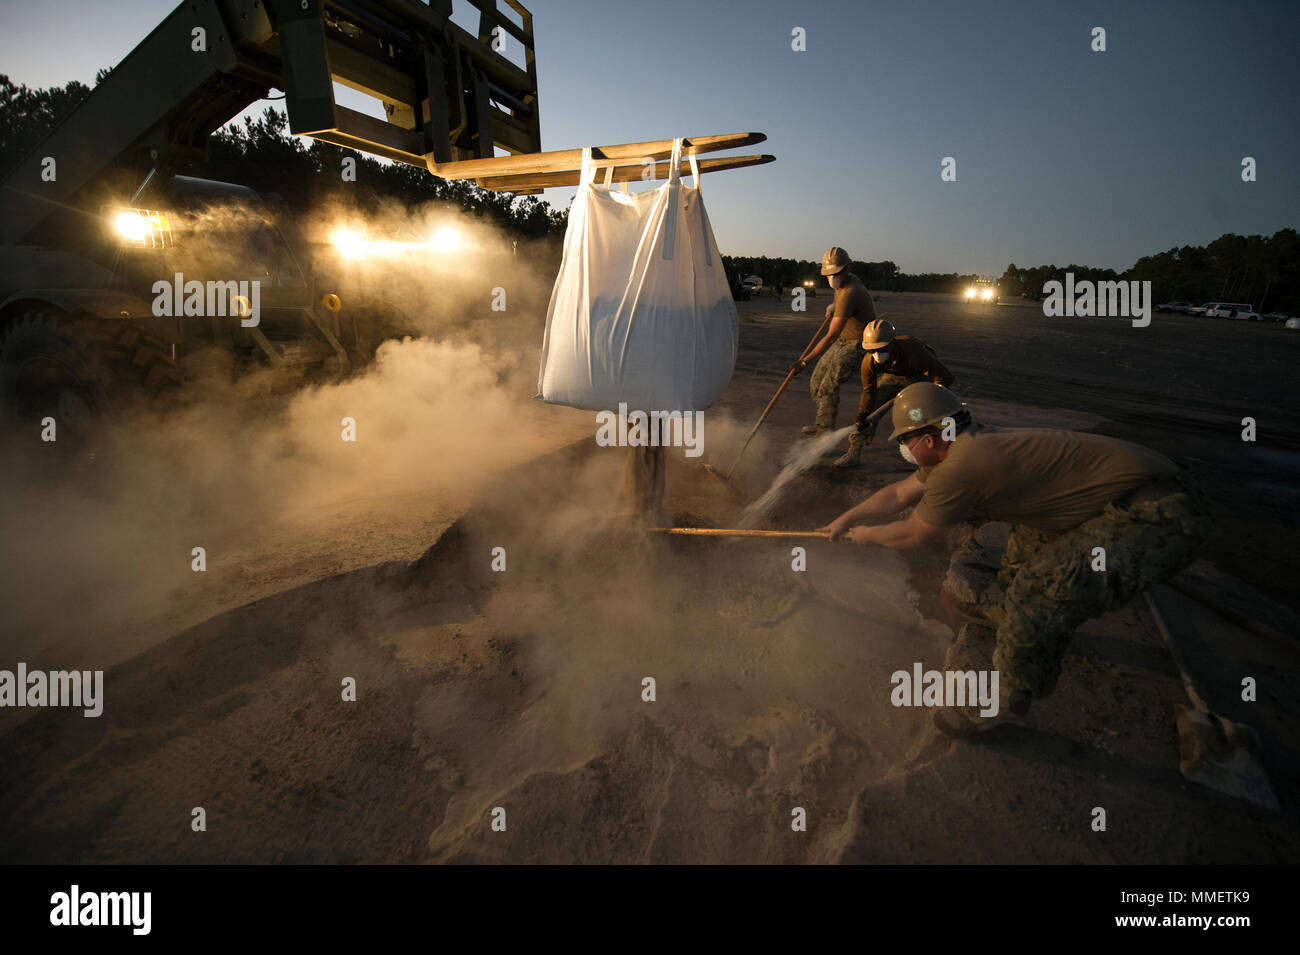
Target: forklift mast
x: 448, y: 96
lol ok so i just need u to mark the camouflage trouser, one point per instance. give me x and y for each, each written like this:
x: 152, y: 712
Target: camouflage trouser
x: 831, y: 371
x: 1050, y: 587
x: 887, y: 387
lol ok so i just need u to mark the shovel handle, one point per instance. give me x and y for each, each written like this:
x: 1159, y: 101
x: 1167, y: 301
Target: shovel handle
x: 737, y: 532
x: 771, y: 404
x: 1197, y: 700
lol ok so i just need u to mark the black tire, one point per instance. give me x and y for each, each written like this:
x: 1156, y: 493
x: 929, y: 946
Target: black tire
x: 76, y: 368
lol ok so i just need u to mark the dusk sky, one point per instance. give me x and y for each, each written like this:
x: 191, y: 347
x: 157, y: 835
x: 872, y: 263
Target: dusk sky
x: 1062, y: 154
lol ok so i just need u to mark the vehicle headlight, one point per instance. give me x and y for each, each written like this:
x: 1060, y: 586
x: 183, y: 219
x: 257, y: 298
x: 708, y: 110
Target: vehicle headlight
x: 146, y: 228
x: 350, y: 244
x: 970, y: 293
x: 445, y: 239
x: 131, y: 225
x: 987, y: 293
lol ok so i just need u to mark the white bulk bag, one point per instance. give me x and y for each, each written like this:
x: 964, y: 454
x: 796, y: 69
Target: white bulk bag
x: 641, y: 312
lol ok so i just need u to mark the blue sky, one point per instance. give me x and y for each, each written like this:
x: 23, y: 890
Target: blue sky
x: 1063, y: 155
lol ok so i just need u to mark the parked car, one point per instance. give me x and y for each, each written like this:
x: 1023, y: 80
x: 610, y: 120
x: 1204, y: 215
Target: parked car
x: 1279, y: 317
x: 1197, y: 309
x: 1237, y: 310
x: 752, y: 282
x: 1182, y: 307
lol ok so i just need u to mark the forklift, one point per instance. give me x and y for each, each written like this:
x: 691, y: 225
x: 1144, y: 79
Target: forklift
x: 99, y: 213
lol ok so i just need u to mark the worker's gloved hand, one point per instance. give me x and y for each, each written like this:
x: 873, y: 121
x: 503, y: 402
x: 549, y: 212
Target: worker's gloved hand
x: 799, y: 366
x: 862, y: 421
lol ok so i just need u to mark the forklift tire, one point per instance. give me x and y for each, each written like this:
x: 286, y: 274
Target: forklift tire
x: 74, y: 369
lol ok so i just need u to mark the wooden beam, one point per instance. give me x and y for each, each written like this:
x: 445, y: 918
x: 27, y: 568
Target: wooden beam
x: 632, y: 173
x: 571, y: 159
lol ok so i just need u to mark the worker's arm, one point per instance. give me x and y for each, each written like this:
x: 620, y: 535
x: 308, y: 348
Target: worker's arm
x: 887, y: 501
x: 840, y: 314
x: 832, y: 333
x: 900, y: 535
x: 868, y: 386
x: 936, y: 370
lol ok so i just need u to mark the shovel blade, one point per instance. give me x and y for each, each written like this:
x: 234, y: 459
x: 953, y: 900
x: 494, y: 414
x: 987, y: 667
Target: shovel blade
x: 734, y: 491
x: 1222, y: 755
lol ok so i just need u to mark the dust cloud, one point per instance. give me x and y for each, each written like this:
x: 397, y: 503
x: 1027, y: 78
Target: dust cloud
x: 524, y: 687
x: 98, y: 564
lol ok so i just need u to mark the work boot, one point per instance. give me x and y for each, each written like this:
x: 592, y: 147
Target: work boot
x: 851, y: 458
x: 811, y: 429
x: 965, y: 722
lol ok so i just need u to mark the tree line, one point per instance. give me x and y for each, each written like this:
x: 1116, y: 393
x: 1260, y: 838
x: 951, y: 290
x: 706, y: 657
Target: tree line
x: 877, y: 276
x: 260, y: 153
x: 1263, y: 271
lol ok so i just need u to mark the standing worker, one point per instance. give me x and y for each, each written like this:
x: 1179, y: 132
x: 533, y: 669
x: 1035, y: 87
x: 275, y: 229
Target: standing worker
x: 840, y: 351
x: 891, y: 363
x: 1066, y: 494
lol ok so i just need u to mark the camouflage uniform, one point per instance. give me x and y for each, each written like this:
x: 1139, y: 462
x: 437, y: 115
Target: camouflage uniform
x: 911, y: 360
x: 887, y: 388
x: 1051, y: 588
x: 834, y: 368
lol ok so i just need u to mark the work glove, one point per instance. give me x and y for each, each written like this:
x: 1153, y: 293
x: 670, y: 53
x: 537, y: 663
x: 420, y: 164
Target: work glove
x: 799, y: 365
x: 862, y: 421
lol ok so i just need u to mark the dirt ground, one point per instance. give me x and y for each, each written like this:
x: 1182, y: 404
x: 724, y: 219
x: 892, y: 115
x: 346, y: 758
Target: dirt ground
x: 523, y: 689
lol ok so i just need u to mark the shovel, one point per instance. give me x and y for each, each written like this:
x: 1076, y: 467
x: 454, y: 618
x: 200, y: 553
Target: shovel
x: 1214, y: 751
x: 726, y: 478
x: 736, y: 532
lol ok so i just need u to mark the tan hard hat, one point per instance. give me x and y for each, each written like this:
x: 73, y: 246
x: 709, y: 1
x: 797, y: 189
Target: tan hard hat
x: 835, y: 260
x: 923, y: 405
x: 877, y: 335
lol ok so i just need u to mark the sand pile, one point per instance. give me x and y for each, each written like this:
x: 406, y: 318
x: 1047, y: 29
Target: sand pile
x: 520, y: 689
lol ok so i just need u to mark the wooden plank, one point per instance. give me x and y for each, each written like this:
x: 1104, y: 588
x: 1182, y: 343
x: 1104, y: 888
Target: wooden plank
x: 630, y: 173
x: 571, y: 159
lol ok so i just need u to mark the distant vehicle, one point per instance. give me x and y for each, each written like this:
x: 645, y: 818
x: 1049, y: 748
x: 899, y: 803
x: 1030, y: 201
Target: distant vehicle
x: 983, y: 290
x: 1182, y: 307
x: 1237, y: 310
x: 1275, y: 317
x: 738, y: 290
x: 1198, y: 309
x: 752, y: 282
x: 810, y: 287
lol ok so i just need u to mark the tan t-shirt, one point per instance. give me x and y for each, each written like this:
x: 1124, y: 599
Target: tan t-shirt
x: 1048, y: 480
x: 854, y: 300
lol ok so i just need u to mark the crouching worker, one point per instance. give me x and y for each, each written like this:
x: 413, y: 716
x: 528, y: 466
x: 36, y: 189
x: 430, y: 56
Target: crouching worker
x: 891, y: 363
x: 1066, y: 494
